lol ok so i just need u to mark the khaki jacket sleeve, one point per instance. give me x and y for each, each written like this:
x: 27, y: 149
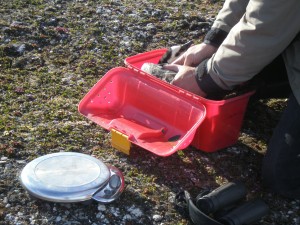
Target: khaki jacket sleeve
x: 264, y: 31
x: 230, y: 14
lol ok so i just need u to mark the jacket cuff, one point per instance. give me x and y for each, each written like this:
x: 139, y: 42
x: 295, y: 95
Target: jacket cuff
x: 215, y: 37
x: 206, y: 83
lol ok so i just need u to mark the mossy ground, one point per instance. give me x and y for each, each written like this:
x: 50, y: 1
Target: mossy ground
x: 69, y: 46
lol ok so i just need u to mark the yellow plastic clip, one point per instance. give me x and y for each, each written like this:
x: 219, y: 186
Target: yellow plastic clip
x: 120, y: 141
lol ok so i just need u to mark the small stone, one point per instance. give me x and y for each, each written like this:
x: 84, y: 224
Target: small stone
x: 127, y: 217
x: 58, y: 219
x: 157, y: 218
x: 5, y: 200
x: 99, y: 215
x: 30, y: 97
x: 15, y: 50
x: 101, y: 208
x: 52, y: 22
x: 115, y: 211
x: 135, y: 211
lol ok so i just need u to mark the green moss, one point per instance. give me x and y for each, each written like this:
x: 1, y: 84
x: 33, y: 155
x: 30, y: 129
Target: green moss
x: 5, y: 62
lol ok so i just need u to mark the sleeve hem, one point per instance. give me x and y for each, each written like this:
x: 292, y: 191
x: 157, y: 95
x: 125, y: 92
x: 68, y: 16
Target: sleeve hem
x: 205, y: 82
x: 215, y: 37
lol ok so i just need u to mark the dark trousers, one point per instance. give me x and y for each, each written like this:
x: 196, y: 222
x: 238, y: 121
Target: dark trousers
x: 281, y: 164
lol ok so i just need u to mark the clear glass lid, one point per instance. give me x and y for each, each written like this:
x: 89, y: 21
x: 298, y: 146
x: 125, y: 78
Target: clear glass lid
x: 65, y: 177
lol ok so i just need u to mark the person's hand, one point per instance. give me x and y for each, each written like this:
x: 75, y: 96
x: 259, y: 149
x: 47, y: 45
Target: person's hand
x: 196, y: 54
x: 185, y: 78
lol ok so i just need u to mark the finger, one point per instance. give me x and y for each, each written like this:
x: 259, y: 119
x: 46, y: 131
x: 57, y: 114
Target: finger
x: 179, y: 60
x: 174, y: 81
x: 172, y: 67
x: 177, y: 78
x: 188, y: 61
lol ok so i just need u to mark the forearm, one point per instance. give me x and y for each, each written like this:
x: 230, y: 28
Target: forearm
x: 229, y: 16
x: 263, y: 33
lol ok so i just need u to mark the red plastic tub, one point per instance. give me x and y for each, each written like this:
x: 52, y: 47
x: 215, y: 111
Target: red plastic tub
x: 153, y: 114
x: 223, y: 120
x: 222, y: 123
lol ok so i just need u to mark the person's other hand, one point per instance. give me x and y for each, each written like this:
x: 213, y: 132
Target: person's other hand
x: 185, y: 78
x: 196, y: 54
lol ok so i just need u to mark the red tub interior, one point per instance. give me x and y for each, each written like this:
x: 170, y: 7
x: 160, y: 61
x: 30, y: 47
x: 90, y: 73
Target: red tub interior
x: 153, y: 114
